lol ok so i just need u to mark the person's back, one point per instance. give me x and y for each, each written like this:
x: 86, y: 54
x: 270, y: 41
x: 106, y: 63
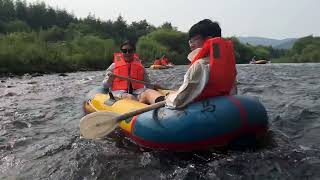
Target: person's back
x: 222, y: 67
x: 157, y: 61
x: 164, y: 61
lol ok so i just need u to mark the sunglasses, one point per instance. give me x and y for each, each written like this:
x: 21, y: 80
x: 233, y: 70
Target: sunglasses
x: 127, y: 51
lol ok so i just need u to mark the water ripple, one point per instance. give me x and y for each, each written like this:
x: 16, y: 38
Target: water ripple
x: 39, y: 136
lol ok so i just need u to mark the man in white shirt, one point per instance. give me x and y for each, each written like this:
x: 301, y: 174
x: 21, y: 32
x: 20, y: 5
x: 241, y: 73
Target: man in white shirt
x: 198, y: 74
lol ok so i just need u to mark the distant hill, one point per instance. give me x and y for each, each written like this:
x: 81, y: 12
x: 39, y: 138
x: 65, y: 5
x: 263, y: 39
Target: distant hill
x: 275, y: 43
x: 286, y: 44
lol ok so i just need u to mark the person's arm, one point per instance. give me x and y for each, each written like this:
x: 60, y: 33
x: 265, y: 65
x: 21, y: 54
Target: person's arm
x: 194, y: 82
x: 107, y: 81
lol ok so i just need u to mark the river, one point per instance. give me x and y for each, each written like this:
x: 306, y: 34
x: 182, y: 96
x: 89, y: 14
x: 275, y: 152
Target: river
x: 39, y: 131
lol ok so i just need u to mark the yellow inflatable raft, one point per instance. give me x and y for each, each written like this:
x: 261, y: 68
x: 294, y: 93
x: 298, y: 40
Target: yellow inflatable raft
x: 159, y: 67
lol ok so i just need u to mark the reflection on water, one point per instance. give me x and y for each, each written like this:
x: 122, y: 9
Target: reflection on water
x: 39, y: 134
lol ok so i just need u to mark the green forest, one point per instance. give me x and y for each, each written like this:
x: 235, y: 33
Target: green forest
x: 38, y: 38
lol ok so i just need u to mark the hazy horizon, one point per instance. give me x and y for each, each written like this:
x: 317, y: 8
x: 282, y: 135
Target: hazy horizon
x: 269, y: 19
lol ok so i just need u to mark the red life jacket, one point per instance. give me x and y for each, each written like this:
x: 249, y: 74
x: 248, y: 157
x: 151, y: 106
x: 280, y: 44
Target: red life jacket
x: 157, y: 62
x: 222, y: 67
x: 164, y: 61
x: 136, y: 55
x: 132, y: 70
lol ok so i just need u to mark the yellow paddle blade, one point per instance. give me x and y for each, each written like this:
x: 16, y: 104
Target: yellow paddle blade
x: 98, y: 124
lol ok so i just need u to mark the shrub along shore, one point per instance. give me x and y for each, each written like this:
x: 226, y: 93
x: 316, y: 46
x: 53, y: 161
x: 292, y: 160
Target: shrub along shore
x: 35, y: 38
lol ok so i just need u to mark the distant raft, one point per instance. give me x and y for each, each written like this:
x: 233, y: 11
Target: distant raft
x: 259, y: 62
x: 160, y: 66
x: 214, y: 122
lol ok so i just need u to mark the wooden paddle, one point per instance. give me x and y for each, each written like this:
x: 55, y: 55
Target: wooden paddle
x: 100, y: 124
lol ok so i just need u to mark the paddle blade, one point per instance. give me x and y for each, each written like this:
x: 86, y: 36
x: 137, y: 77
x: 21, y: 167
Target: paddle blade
x: 98, y: 124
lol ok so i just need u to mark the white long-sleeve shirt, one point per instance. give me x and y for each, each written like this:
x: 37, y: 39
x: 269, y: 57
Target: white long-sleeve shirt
x: 195, y: 80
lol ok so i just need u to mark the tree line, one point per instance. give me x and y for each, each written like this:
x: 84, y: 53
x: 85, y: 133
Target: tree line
x: 306, y: 49
x: 37, y: 38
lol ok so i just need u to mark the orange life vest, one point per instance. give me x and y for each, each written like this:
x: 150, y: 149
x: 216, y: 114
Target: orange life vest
x: 157, y: 62
x: 132, y: 70
x: 164, y: 61
x: 222, y: 67
x: 136, y: 55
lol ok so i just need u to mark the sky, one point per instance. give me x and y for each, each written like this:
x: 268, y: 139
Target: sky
x: 278, y: 19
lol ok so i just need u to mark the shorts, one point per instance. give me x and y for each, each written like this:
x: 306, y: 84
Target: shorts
x: 136, y: 93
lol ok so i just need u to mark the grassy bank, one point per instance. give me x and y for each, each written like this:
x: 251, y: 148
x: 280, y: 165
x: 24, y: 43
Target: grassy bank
x: 27, y: 52
x: 38, y: 38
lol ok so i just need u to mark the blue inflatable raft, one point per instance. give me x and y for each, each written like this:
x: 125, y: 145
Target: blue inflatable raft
x: 214, y: 122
